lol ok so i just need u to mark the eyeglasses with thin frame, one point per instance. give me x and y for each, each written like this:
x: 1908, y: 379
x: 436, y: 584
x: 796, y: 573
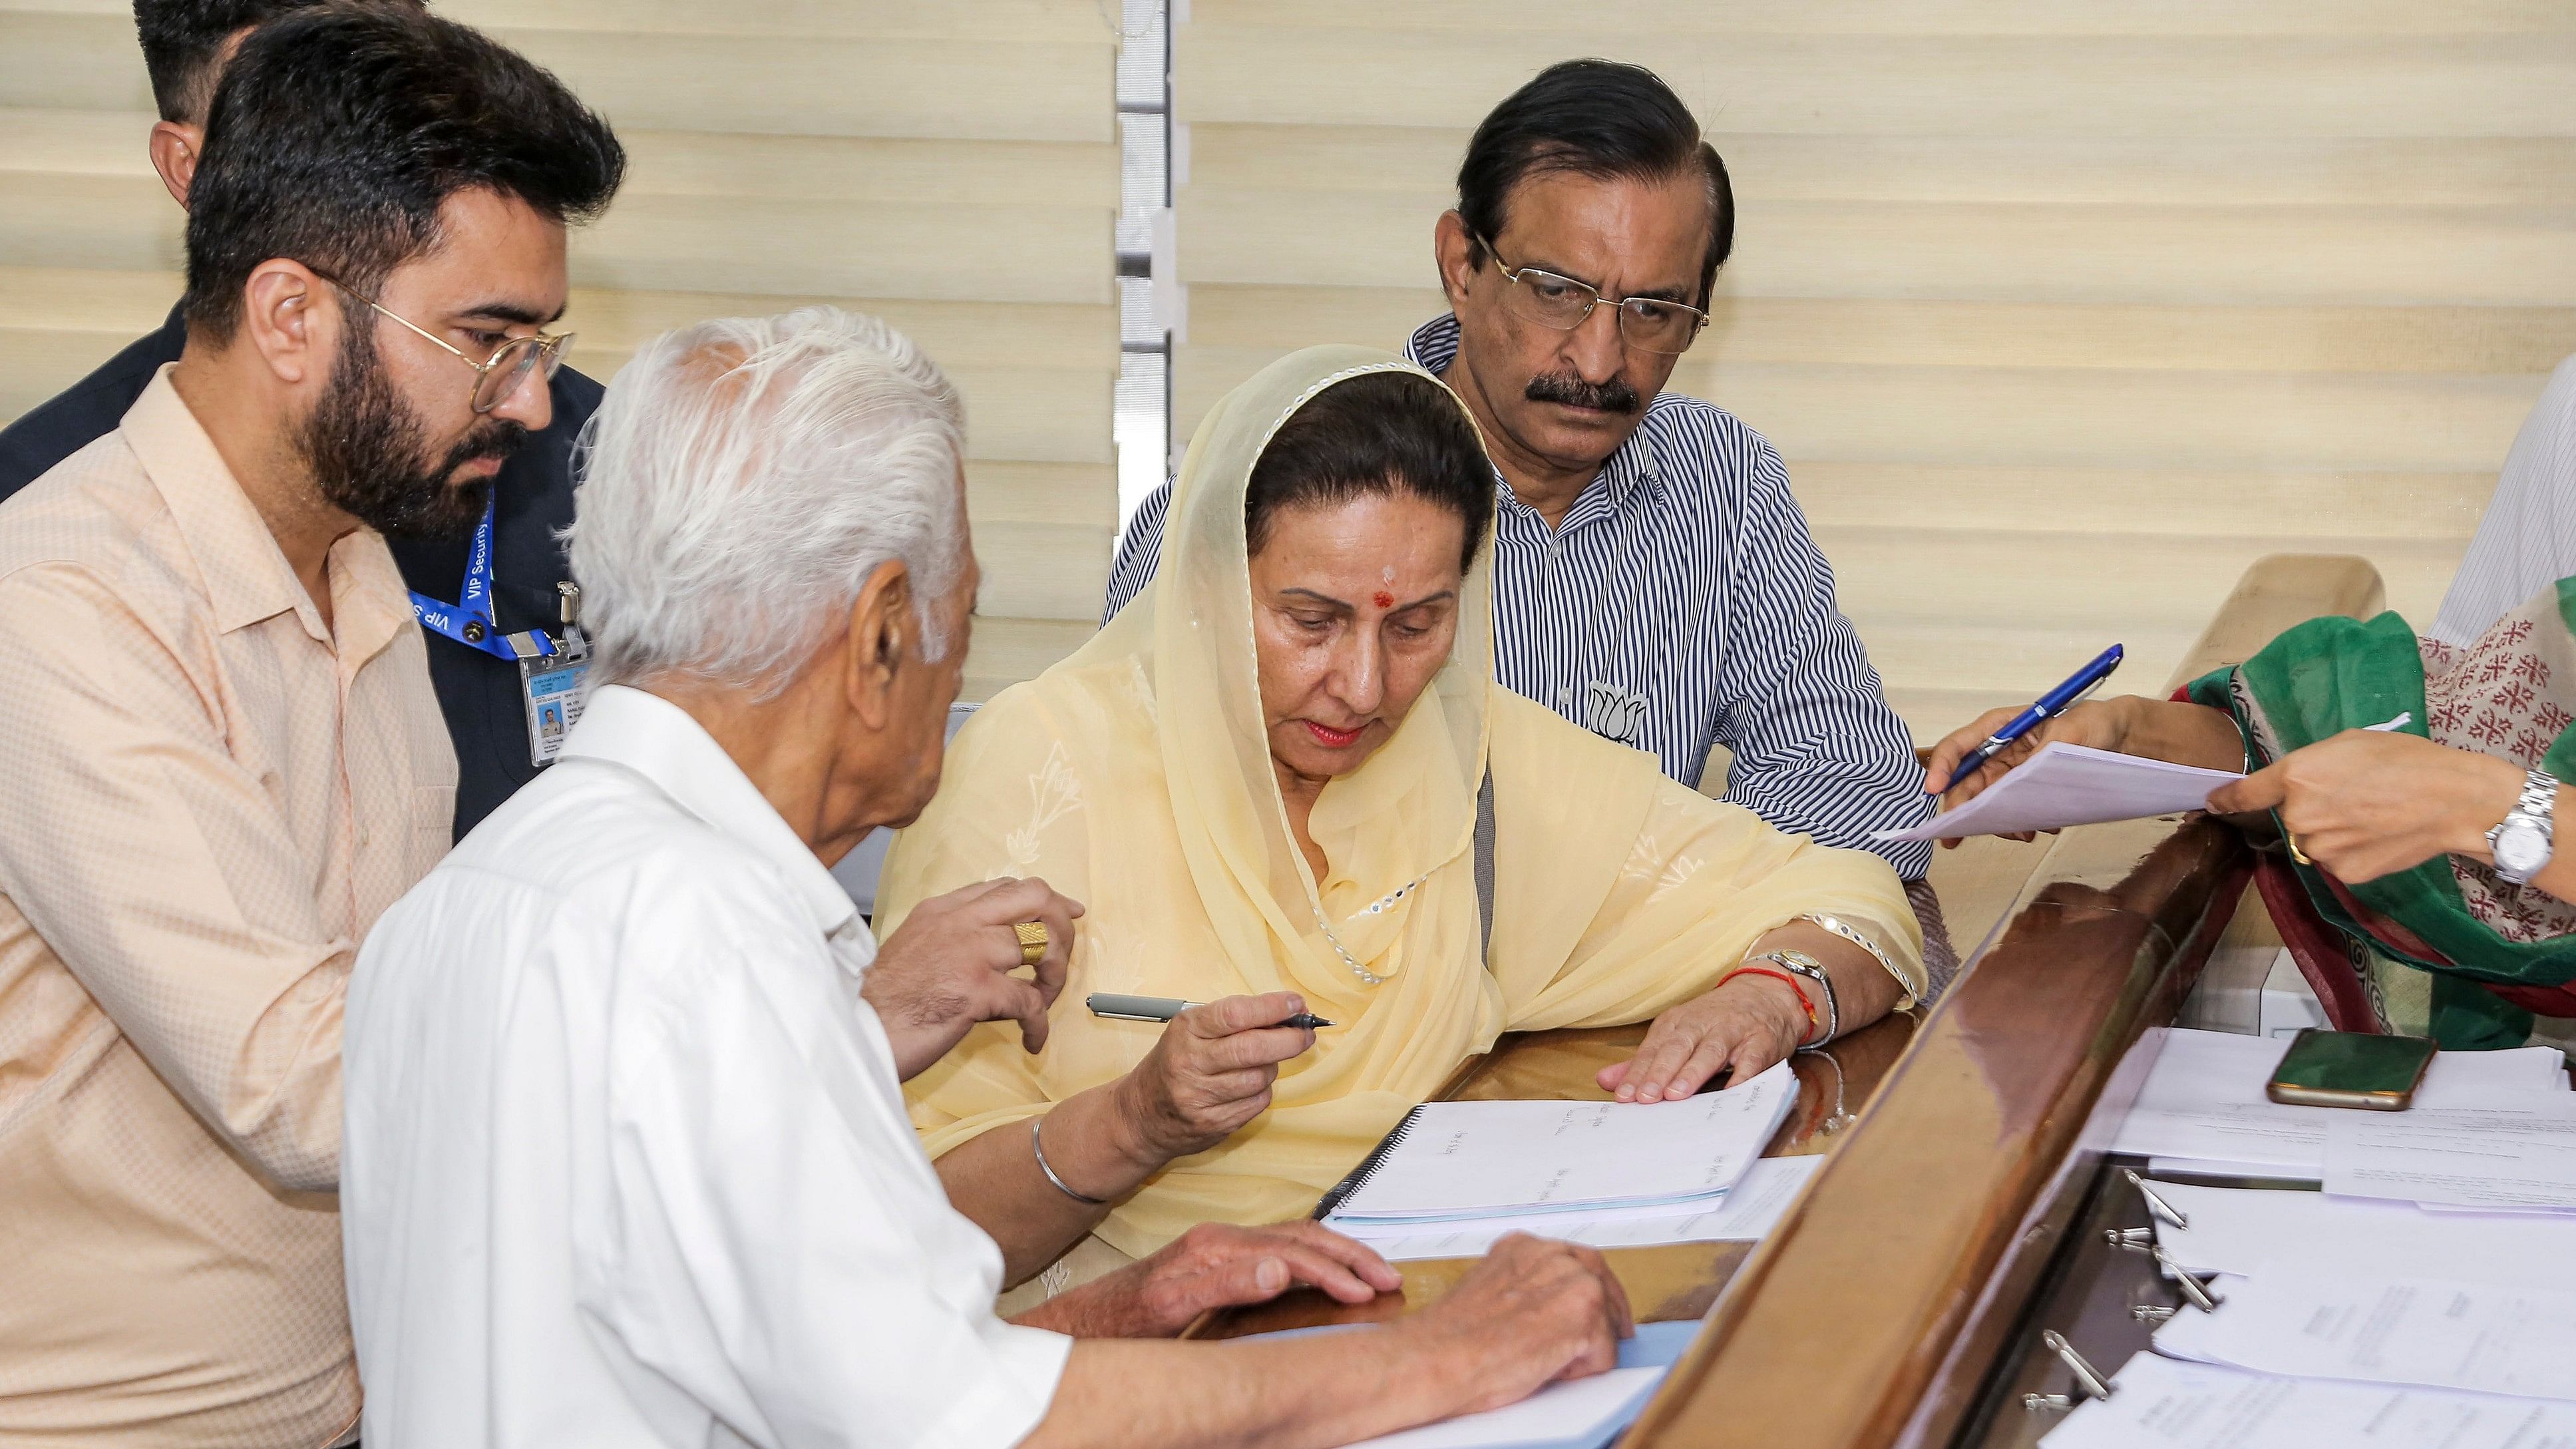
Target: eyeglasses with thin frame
x: 1649, y: 324
x: 498, y: 378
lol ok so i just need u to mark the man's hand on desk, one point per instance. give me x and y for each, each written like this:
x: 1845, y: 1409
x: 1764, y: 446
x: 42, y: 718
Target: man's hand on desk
x: 1215, y: 1265
x: 1533, y: 1312
x: 1745, y: 1023
x: 949, y: 966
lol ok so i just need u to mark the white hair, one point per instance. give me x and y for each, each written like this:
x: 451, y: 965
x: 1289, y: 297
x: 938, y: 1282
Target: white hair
x: 741, y: 481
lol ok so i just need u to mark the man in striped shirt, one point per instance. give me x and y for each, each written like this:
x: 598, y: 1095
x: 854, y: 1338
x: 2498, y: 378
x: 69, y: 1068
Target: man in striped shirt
x: 1654, y: 579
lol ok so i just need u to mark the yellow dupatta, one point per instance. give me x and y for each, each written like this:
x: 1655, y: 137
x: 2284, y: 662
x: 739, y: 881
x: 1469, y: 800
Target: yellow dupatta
x: 1135, y: 777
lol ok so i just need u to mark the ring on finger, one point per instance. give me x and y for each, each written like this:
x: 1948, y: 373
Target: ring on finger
x: 1033, y: 941
x: 2291, y: 839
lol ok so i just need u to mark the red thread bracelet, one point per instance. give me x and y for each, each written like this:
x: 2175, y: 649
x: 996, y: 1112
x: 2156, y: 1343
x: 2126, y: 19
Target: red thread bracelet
x: 1785, y: 979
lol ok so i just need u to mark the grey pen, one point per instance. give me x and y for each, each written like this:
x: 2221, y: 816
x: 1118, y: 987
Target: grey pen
x: 1164, y: 1008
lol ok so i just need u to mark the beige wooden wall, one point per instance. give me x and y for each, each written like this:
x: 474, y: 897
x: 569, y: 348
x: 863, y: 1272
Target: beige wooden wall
x: 2062, y: 311
x: 950, y: 164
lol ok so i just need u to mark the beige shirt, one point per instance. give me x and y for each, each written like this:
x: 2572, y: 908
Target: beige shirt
x: 205, y: 800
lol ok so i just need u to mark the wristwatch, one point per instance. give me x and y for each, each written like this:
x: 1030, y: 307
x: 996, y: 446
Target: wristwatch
x: 2521, y: 844
x: 1802, y: 964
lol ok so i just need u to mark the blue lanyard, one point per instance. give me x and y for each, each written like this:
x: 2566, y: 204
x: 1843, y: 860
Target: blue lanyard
x: 468, y: 621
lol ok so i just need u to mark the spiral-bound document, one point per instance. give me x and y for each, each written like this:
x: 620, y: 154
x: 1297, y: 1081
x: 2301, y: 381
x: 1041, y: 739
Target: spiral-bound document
x: 1457, y: 1160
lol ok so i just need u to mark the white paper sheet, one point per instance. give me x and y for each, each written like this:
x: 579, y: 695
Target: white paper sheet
x: 1553, y: 1415
x: 2064, y: 785
x: 2504, y: 1156
x: 2165, y: 1404
x: 2204, y: 1099
x: 1748, y: 1211
x: 2423, y: 1332
x: 1477, y: 1159
x: 2238, y: 1230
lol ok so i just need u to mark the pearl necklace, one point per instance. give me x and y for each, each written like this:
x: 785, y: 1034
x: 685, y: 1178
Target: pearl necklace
x: 1376, y: 908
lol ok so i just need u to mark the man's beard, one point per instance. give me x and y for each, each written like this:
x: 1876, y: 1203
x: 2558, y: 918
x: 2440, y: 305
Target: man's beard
x: 365, y: 447
x: 1614, y: 396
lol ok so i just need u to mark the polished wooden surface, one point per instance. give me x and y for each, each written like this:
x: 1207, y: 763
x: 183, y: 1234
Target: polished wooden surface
x: 1870, y: 1296
x: 1886, y: 1292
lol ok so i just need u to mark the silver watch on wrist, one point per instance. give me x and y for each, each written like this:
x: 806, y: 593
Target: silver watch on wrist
x: 2522, y: 843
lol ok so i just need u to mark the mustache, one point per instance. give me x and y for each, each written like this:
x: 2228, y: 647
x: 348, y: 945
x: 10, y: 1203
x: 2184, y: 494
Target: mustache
x: 1614, y: 396
x: 492, y: 440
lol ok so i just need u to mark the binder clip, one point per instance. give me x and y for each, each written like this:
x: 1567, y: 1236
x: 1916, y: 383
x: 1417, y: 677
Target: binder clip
x: 2156, y: 1204
x: 2188, y: 1284
x: 2089, y: 1382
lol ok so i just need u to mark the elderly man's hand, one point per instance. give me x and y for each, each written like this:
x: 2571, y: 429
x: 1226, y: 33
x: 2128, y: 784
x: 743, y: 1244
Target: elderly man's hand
x: 1742, y: 1025
x: 1215, y: 1265
x: 2368, y: 803
x: 950, y: 966
x: 1209, y: 1073
x: 1533, y: 1312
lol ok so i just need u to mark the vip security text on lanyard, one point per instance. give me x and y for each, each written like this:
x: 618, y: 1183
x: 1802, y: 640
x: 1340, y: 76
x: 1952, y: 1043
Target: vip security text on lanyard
x: 549, y: 677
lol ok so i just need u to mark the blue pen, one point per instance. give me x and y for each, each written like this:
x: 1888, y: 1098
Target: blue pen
x: 2052, y: 704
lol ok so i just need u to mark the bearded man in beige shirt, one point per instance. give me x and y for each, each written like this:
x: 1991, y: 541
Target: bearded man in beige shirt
x: 219, y: 749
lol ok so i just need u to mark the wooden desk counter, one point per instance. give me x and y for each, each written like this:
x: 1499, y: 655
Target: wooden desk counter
x: 1884, y: 1292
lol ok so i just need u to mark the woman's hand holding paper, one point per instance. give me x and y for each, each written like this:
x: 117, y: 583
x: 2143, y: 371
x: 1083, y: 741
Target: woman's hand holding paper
x: 2367, y: 803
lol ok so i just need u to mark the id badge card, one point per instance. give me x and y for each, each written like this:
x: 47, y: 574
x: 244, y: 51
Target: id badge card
x: 550, y: 690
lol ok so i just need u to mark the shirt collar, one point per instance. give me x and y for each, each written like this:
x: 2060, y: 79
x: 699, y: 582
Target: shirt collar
x: 659, y: 741
x: 1434, y: 345
x: 246, y: 575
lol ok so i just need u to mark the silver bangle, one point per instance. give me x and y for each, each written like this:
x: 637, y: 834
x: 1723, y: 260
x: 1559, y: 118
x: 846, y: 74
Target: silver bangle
x: 1801, y: 964
x: 1848, y: 932
x: 1040, y: 1149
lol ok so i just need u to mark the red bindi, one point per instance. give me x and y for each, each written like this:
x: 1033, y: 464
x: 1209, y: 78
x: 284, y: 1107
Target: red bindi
x: 1384, y: 599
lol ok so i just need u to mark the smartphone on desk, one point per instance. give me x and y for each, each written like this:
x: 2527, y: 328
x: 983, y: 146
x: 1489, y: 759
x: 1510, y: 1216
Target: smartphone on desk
x: 2350, y: 1069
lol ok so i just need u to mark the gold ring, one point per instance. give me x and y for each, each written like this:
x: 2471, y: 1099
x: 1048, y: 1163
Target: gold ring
x: 2296, y: 854
x: 1033, y: 942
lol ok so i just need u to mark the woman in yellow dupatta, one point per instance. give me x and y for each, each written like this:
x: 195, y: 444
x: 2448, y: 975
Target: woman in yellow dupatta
x: 1144, y: 777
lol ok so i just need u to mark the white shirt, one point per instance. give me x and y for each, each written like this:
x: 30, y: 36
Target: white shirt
x: 2527, y: 540
x: 626, y: 1159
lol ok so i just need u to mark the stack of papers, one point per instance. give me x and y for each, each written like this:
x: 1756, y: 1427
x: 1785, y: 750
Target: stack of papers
x: 2239, y: 1231
x: 1464, y: 1162
x: 2427, y: 1296
x: 2162, y: 1403
x: 2416, y: 1332
x: 2516, y: 1154
x: 2203, y: 1107
x: 2063, y: 785
x: 1747, y: 1213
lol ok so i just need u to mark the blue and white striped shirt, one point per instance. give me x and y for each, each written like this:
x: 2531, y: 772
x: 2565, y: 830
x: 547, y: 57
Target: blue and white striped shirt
x: 1684, y: 573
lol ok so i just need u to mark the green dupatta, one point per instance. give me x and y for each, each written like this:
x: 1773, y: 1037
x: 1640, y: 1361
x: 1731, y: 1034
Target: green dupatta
x: 2331, y: 675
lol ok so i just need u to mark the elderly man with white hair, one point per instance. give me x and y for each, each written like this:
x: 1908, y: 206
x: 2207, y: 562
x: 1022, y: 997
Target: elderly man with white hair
x: 627, y: 1158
